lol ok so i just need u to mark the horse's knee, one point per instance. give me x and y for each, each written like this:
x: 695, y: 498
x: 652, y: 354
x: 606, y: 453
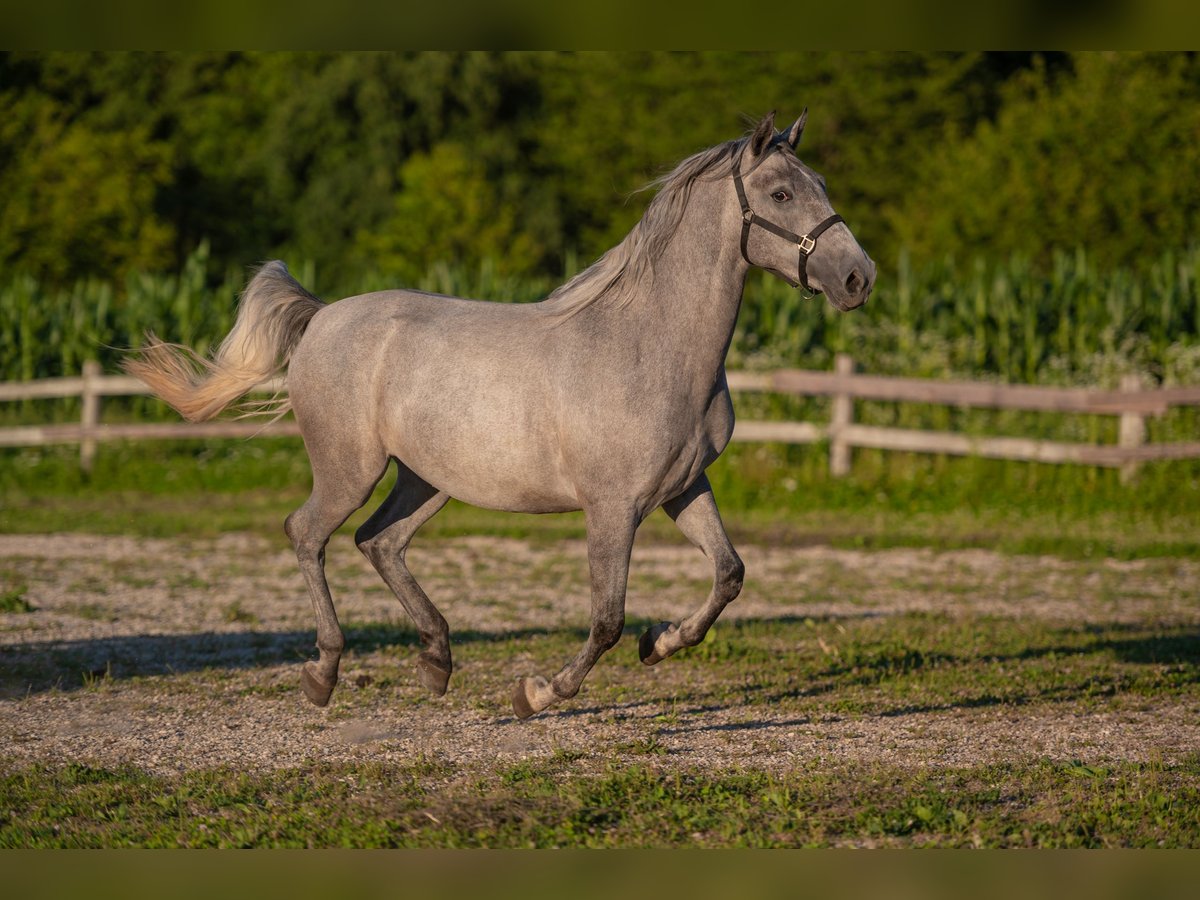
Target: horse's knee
x: 730, y: 573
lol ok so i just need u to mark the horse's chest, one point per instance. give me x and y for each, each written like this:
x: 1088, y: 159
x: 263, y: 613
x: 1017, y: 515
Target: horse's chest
x: 695, y: 447
x: 718, y: 422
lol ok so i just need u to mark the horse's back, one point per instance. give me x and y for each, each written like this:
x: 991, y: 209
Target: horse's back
x: 462, y: 391
x: 426, y: 336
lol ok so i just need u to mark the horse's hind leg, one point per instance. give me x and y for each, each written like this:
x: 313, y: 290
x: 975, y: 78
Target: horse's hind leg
x: 384, y: 539
x: 695, y: 512
x: 343, y: 478
x: 610, y: 541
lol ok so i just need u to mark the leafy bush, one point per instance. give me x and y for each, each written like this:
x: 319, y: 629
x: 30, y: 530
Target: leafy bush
x: 1102, y: 158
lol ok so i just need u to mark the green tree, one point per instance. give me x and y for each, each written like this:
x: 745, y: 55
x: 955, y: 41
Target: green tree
x: 92, y: 163
x: 448, y: 210
x: 78, y: 201
x: 303, y: 154
x: 338, y: 128
x: 1103, y: 158
x: 610, y: 122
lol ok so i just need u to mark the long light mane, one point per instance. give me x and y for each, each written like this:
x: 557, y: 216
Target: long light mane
x: 616, y: 276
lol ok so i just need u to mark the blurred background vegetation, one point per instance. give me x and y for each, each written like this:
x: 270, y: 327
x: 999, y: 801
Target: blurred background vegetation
x: 1034, y: 216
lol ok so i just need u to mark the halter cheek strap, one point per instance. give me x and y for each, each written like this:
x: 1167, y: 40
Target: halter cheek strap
x: 804, y: 243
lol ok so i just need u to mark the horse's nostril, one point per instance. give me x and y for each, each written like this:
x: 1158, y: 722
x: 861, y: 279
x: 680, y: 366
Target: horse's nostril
x: 854, y: 282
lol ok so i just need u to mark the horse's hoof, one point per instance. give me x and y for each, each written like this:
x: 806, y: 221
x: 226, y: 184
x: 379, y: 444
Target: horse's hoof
x: 651, y: 647
x: 432, y: 676
x: 529, y: 696
x: 315, y: 690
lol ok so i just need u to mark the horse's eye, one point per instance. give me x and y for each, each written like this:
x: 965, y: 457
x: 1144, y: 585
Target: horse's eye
x: 781, y: 196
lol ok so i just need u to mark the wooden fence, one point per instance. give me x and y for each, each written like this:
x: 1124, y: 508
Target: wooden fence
x: 1132, y: 403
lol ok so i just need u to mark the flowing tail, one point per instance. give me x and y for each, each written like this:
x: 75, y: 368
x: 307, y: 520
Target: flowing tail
x: 273, y: 313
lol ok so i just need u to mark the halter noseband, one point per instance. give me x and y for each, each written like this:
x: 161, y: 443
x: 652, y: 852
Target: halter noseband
x: 804, y: 243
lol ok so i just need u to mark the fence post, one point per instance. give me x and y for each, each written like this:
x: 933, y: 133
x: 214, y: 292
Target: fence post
x: 841, y: 415
x: 1132, y: 431
x: 91, y: 414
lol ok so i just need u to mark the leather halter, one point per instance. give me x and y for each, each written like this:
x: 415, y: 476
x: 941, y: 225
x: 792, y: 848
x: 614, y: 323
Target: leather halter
x: 804, y: 243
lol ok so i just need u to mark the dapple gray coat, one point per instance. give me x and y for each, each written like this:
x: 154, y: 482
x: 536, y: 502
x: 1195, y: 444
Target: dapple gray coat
x: 608, y: 397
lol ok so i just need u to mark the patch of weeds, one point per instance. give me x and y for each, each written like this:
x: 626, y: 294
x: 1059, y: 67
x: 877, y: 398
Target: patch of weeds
x: 651, y: 582
x: 1083, y: 770
x: 426, y: 766
x: 136, y: 581
x: 649, y: 746
x: 94, y: 612
x: 13, y: 600
x: 877, y: 662
x: 366, y: 637
x: 277, y: 689
x: 565, y: 756
x: 235, y: 612
x: 904, y: 816
x: 1021, y: 803
x: 521, y: 772
x: 671, y: 716
x: 88, y: 585
x: 729, y: 642
x: 181, y: 581
x: 98, y: 677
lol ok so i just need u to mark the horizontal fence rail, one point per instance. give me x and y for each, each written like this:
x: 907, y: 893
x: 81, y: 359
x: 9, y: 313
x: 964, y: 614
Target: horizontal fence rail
x: 1132, y: 403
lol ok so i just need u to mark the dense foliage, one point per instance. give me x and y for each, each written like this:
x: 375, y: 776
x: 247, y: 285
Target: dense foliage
x: 113, y: 162
x: 1034, y: 214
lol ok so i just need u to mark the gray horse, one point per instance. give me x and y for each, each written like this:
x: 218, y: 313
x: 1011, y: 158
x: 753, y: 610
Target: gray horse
x: 609, y: 396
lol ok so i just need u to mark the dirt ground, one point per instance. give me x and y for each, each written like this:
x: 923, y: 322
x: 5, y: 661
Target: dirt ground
x: 177, y: 654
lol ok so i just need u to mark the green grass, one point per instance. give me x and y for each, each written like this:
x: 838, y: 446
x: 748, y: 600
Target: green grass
x: 849, y: 672
x: 13, y: 600
x: 235, y: 612
x: 767, y: 493
x: 924, y: 662
x: 1034, y: 804
x: 632, y: 793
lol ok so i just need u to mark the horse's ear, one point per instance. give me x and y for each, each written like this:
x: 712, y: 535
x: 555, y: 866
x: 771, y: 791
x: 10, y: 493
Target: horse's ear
x: 797, y: 129
x: 763, y: 133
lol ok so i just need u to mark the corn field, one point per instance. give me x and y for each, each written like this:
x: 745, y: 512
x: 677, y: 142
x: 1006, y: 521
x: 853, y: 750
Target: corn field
x: 1075, y: 324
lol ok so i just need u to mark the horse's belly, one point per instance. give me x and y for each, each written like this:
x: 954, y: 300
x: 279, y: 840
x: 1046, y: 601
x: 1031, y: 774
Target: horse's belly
x: 512, y: 495
x: 492, y: 468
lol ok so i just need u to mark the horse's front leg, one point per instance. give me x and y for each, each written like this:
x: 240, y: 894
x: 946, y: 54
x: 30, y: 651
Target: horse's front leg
x: 610, y: 542
x: 695, y: 512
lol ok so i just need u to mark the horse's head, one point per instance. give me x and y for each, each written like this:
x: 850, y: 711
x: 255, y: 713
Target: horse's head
x: 788, y: 225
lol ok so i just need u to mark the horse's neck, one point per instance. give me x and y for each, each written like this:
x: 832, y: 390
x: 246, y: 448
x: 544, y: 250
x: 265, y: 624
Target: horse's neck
x: 691, y: 305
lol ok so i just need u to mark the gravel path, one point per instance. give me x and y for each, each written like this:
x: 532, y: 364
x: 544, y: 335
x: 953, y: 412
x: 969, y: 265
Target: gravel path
x: 190, y: 649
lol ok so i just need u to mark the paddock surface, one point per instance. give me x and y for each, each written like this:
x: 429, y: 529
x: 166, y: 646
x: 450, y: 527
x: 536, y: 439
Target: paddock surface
x: 175, y: 654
